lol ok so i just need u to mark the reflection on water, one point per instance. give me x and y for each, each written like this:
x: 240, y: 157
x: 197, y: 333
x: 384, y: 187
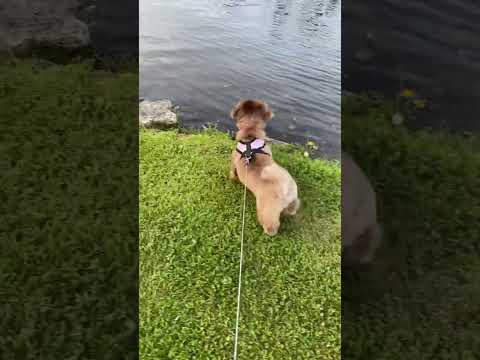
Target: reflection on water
x: 206, y: 54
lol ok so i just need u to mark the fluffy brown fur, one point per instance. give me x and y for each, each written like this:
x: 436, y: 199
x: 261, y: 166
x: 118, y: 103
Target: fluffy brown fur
x: 274, y: 188
x: 361, y: 233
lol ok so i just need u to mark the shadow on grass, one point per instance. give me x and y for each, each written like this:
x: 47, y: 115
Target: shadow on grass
x: 69, y: 211
x: 420, y: 297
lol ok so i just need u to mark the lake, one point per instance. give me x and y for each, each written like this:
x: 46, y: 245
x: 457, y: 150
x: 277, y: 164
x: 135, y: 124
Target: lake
x: 205, y: 55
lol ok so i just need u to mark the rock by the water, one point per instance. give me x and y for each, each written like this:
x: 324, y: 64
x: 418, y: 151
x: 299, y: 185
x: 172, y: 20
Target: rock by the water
x: 157, y: 114
x: 26, y: 25
x: 364, y: 55
x: 397, y: 119
x: 86, y: 11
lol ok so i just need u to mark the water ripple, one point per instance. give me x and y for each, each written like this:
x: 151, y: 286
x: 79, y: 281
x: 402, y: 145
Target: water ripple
x: 206, y: 54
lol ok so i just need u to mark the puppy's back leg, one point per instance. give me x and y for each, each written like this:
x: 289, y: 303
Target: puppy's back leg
x: 233, y: 174
x: 292, y: 208
x: 363, y: 250
x: 233, y: 171
x: 269, y: 217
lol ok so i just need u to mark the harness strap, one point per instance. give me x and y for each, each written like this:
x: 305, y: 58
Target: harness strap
x: 250, y: 149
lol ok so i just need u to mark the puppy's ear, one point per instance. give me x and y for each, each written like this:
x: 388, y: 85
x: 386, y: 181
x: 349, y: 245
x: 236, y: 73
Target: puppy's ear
x: 267, y: 113
x: 236, y: 109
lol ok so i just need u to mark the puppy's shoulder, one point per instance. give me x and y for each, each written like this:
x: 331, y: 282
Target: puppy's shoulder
x: 270, y: 171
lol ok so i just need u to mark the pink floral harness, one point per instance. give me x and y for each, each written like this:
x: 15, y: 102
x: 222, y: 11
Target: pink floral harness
x: 249, y: 149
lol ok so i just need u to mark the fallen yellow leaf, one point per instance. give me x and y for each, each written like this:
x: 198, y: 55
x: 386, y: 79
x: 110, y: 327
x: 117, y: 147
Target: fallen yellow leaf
x: 419, y: 104
x: 408, y: 93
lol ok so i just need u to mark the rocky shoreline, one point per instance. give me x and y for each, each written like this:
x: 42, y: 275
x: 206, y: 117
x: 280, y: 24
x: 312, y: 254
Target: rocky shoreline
x: 157, y: 114
x: 26, y: 27
x: 61, y: 30
x: 161, y: 115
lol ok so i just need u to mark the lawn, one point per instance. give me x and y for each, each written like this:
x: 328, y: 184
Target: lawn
x: 190, y: 221
x: 68, y: 212
x: 420, y: 299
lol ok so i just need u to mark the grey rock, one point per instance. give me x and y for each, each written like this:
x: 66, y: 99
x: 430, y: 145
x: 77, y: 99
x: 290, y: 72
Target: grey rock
x: 370, y: 39
x: 364, y: 55
x: 157, y: 114
x: 25, y: 25
x: 86, y: 13
x: 348, y: 93
x: 397, y: 119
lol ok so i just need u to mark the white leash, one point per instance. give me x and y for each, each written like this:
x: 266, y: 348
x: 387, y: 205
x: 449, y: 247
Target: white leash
x: 241, y: 265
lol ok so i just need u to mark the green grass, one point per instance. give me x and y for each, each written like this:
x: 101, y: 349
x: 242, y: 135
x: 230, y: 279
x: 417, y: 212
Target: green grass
x: 68, y: 212
x: 190, y: 221
x: 420, y: 300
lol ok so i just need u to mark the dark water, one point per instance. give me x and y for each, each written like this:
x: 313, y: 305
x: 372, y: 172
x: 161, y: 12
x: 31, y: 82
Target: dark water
x: 205, y: 55
x: 430, y: 46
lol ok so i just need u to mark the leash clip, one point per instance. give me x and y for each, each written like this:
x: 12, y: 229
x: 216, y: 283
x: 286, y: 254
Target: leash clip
x: 248, y: 156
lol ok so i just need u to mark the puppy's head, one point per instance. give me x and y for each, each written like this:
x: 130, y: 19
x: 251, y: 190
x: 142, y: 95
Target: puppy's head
x: 251, y: 117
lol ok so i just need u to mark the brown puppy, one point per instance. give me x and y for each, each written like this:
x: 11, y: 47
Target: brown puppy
x: 361, y: 233
x: 274, y: 189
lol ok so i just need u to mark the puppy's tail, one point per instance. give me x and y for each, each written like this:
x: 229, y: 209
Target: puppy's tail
x: 365, y: 247
x: 372, y: 237
x: 292, y: 208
